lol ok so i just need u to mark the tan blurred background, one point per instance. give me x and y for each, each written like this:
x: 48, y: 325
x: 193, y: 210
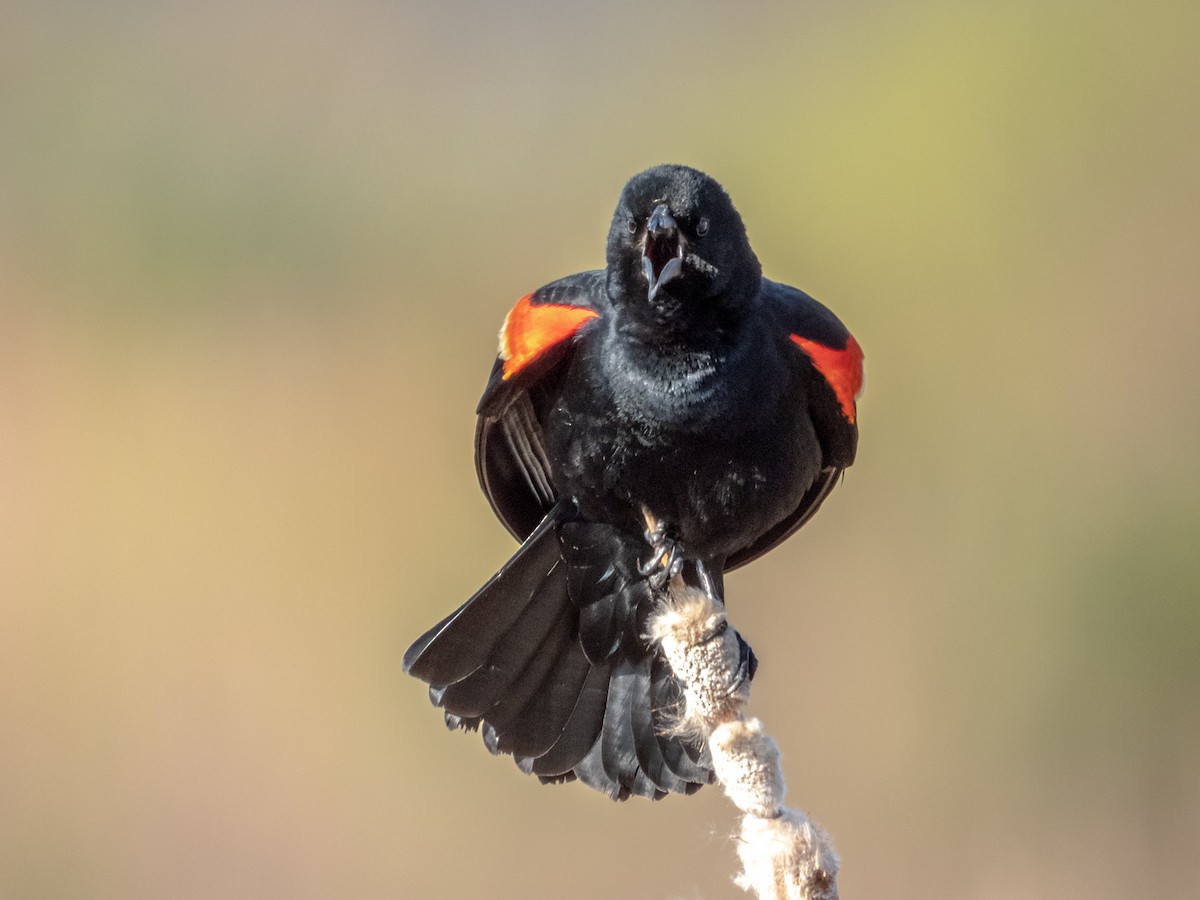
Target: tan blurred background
x: 252, y: 263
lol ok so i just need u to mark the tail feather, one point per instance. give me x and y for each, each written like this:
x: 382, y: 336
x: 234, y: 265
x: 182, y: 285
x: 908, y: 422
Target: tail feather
x: 590, y: 770
x: 618, y: 744
x: 607, y: 624
x: 681, y: 755
x: 580, y: 733
x: 550, y: 662
x: 521, y: 648
x: 460, y: 644
x: 508, y: 714
x: 646, y: 737
x: 544, y: 719
x: 604, y: 582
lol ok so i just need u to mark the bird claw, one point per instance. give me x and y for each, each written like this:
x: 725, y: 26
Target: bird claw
x: 708, y: 583
x: 666, y: 560
x: 656, y: 531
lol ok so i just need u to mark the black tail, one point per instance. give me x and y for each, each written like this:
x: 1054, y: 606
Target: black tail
x: 550, y: 661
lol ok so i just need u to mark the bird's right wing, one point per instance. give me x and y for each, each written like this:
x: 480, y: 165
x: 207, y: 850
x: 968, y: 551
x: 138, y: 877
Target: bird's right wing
x: 536, y: 342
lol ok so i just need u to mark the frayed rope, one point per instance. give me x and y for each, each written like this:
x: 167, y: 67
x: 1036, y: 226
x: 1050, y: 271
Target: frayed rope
x: 784, y: 855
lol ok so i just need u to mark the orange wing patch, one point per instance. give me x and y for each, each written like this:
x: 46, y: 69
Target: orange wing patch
x: 841, y: 368
x: 529, y: 330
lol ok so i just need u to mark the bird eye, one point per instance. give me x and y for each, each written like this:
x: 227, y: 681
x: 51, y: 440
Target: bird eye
x: 632, y: 225
x: 702, y: 227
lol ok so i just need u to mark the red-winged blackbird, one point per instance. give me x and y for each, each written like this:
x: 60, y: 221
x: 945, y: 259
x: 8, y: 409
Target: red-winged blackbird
x: 678, y: 384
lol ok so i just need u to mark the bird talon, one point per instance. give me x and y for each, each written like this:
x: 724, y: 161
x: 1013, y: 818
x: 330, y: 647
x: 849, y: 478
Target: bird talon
x: 656, y: 530
x: 666, y: 560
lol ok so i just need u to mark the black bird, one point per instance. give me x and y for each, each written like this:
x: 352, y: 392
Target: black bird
x: 676, y: 386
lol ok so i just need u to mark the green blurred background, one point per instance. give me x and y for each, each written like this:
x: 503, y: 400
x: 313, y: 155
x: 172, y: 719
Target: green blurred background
x: 252, y: 262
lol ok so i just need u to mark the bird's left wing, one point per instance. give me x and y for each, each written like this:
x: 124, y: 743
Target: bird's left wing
x: 536, y: 342
x: 831, y: 362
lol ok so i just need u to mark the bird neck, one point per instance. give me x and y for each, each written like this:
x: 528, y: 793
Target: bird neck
x: 671, y: 327
x: 682, y: 346
x: 694, y: 380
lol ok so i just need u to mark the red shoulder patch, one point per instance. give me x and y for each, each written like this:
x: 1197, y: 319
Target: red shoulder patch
x: 841, y: 368
x: 531, y: 329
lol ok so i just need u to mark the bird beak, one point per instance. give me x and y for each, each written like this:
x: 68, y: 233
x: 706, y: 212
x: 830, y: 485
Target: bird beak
x: 662, y: 254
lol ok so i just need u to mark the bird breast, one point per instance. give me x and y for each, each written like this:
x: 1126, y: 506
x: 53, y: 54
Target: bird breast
x: 683, y: 389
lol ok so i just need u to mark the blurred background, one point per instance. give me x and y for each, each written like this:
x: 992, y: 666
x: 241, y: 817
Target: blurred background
x: 253, y: 257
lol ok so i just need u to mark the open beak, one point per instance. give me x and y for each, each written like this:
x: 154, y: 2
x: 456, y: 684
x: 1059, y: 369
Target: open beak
x: 662, y: 255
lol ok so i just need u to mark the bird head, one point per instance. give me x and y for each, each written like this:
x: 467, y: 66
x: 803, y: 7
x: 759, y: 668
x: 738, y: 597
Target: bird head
x: 677, y: 249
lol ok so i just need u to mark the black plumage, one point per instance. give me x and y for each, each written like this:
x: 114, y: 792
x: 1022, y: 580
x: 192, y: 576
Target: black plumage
x: 676, y: 382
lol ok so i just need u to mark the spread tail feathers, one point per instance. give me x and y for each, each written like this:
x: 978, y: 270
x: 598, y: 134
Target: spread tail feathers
x: 550, y: 661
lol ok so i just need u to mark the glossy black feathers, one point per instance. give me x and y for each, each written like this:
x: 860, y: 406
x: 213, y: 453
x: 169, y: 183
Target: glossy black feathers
x: 549, y: 663
x: 676, y: 380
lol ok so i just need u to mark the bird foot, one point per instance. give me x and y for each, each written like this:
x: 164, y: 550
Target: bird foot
x: 708, y: 583
x: 664, y: 564
x: 666, y: 559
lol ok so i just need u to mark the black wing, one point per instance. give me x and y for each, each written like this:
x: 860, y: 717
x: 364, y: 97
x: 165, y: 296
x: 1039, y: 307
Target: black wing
x: 833, y: 365
x: 536, y: 344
